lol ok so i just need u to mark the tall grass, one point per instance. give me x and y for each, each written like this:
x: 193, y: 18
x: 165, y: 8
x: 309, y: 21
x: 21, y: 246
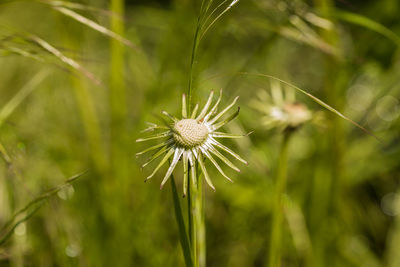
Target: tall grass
x: 80, y: 78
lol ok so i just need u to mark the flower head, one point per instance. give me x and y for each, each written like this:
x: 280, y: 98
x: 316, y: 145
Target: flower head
x: 280, y: 109
x: 192, y: 139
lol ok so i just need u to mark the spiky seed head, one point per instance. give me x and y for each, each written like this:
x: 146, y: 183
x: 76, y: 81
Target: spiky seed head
x: 190, y: 133
x: 192, y: 139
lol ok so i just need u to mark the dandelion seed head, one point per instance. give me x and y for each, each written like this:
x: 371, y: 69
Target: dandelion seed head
x: 190, y: 133
x: 193, y: 139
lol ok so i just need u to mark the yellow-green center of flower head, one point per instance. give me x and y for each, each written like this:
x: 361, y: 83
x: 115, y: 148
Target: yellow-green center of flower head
x: 190, y: 133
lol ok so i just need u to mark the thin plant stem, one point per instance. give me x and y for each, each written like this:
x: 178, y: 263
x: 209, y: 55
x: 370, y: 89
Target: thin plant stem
x: 336, y: 80
x: 194, y: 222
x: 196, y: 41
x: 117, y: 61
x: 88, y: 114
x: 234, y: 2
x: 181, y: 225
x: 198, y: 244
x: 192, y: 64
x: 275, y: 249
x: 190, y: 214
x: 192, y: 187
x: 117, y: 92
x: 194, y: 192
x: 25, y: 91
x: 201, y: 228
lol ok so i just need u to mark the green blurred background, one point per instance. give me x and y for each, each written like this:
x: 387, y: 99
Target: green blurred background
x: 342, y: 203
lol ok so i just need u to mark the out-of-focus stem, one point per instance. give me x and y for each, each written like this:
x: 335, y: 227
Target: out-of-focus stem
x: 334, y: 78
x: 4, y: 154
x: 91, y: 124
x: 327, y: 192
x: 275, y: 249
x: 86, y: 105
x: 118, y: 105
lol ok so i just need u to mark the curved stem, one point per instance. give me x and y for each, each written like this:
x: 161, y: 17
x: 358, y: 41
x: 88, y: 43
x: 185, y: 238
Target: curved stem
x: 277, y: 215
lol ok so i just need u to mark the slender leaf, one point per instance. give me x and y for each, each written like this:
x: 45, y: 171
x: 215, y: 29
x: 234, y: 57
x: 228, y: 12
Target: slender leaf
x: 30, y: 209
x: 9, y: 107
x: 70, y: 62
x: 368, y: 23
x: 94, y: 25
x: 181, y: 225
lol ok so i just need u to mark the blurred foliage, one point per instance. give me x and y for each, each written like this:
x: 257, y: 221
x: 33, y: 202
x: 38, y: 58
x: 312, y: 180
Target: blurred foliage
x: 80, y: 101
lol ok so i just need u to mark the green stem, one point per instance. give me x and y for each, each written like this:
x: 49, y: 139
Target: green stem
x: 327, y: 193
x: 181, y: 225
x: 275, y: 249
x: 193, y: 58
x: 198, y: 225
x: 201, y: 228
x: 194, y: 221
x: 117, y: 93
x: 192, y: 63
x: 189, y: 209
x: 117, y: 58
x: 195, y: 187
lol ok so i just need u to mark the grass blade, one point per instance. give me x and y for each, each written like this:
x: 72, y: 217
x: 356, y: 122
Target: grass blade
x: 234, y: 2
x: 4, y: 154
x: 315, y: 99
x: 70, y: 62
x: 77, y: 6
x: 94, y: 25
x: 181, y: 225
x: 9, y: 108
x: 30, y: 209
x: 367, y: 23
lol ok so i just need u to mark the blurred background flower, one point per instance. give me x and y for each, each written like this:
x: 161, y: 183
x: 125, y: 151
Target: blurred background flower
x: 280, y: 109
